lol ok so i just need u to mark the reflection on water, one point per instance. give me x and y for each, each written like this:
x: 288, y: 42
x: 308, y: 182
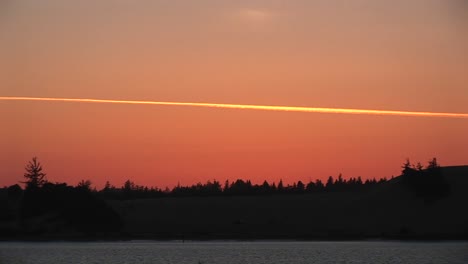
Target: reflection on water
x: 233, y: 252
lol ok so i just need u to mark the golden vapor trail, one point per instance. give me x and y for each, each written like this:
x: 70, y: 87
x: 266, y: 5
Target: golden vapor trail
x: 250, y: 107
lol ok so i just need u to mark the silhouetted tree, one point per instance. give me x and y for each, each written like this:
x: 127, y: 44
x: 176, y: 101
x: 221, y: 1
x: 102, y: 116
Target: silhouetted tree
x: 428, y: 183
x: 128, y: 186
x: 406, y: 167
x: 265, y: 188
x: 433, y: 164
x: 240, y: 187
x: 359, y: 180
x: 108, y: 186
x: 319, y: 185
x: 226, y: 186
x: 329, y: 184
x: 85, y: 185
x: 280, y: 187
x: 409, y: 173
x: 310, y: 187
x: 273, y: 187
x: 419, y: 166
x: 212, y: 188
x: 35, y: 178
x: 300, y: 187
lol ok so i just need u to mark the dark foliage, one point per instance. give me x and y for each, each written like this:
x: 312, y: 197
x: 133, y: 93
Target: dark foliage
x: 34, y: 176
x: 77, y: 207
x: 428, y: 182
x: 57, y: 208
x: 237, y: 188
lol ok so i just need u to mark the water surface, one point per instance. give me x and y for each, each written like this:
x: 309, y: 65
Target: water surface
x: 233, y: 252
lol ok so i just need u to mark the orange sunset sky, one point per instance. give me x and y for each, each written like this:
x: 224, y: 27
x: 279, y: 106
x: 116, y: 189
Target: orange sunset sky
x: 369, y: 54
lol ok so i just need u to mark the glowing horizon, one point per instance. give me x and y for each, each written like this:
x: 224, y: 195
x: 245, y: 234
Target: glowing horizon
x: 247, y: 107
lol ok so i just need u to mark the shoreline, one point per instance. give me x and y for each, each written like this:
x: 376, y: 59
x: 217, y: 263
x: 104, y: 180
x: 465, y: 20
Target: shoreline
x: 188, y: 239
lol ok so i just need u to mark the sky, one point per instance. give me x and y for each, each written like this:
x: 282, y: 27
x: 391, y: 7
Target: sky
x: 366, y: 54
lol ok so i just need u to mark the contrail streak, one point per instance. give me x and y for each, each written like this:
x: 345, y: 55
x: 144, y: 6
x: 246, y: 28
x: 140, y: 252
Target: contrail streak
x: 249, y: 107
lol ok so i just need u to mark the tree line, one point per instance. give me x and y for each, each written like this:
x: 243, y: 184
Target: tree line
x: 427, y: 182
x: 83, y: 207
x: 35, y: 178
x: 43, y: 207
x: 423, y: 180
x: 238, y: 187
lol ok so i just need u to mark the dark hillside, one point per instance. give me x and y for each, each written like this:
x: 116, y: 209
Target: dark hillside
x: 420, y: 204
x: 388, y: 210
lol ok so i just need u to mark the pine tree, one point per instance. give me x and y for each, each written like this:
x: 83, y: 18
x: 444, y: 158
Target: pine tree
x: 433, y: 164
x: 35, y: 178
x: 406, y: 168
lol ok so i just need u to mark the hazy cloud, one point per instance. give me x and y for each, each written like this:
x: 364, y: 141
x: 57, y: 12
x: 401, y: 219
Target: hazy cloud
x: 255, y: 15
x: 252, y: 19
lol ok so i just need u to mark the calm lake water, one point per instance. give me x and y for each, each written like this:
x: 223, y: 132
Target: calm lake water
x: 233, y: 252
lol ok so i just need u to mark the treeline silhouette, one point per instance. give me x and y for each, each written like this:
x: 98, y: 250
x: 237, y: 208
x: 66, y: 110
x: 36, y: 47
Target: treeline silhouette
x: 46, y: 207
x: 130, y: 190
x: 42, y: 205
x: 424, y: 181
x: 67, y: 206
x: 427, y: 182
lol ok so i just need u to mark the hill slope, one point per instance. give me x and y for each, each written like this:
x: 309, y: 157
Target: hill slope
x: 390, y: 210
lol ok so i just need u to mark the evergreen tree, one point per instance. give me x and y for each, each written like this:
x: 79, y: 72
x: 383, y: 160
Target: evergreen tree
x: 433, y: 164
x: 300, y: 186
x: 35, y: 178
x: 85, y: 185
x: 280, y: 187
x: 329, y: 184
x: 406, y: 168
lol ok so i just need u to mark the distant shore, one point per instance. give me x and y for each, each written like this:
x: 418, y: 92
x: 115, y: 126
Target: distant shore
x: 224, y: 238
x: 391, y: 210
